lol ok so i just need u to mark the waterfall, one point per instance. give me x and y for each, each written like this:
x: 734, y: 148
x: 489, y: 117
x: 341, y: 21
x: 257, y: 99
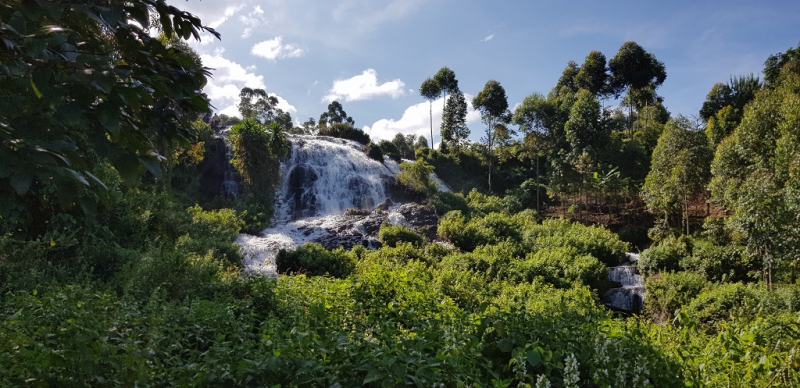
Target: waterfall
x: 325, y: 175
x: 320, y: 179
x: 629, y: 297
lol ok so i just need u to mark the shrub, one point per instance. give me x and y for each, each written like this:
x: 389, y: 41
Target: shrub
x: 344, y: 131
x: 563, y: 268
x: 590, y: 240
x: 416, y: 177
x: 314, y: 260
x: 392, y: 234
x: 374, y: 152
x: 634, y: 235
x: 485, y: 204
x: 256, y: 212
x: 665, y: 255
x: 525, y: 194
x: 667, y: 292
x: 722, y: 302
x: 720, y: 263
x: 445, y: 201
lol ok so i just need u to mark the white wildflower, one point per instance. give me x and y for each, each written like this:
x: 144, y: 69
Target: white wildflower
x: 542, y: 382
x: 571, y: 373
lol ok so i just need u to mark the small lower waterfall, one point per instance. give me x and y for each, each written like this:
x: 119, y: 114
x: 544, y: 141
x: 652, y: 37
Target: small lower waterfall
x: 629, y: 297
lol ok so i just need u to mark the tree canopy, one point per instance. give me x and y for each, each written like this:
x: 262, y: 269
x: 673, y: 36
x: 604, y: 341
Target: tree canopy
x: 86, y: 80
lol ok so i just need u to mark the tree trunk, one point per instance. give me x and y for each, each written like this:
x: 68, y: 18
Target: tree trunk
x: 537, y: 184
x: 430, y: 110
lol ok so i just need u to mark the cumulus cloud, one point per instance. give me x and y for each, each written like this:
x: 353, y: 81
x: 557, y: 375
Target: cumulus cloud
x: 364, y: 86
x: 274, y: 49
x: 228, y: 80
x: 416, y: 120
x: 488, y: 38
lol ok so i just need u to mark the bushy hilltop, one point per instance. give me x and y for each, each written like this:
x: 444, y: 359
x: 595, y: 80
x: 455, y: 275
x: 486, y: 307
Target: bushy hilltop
x: 116, y: 269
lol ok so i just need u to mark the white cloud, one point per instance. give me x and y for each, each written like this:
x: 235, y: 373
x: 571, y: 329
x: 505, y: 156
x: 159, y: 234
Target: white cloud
x: 488, y: 38
x: 364, y: 86
x: 255, y: 19
x: 228, y: 80
x: 273, y: 49
x: 229, y: 11
x: 416, y: 120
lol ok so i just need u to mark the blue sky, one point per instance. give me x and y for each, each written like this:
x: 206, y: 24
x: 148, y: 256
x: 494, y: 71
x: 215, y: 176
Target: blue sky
x: 373, y: 55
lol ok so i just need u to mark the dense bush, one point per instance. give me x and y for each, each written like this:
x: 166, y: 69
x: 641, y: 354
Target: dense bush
x: 416, y: 177
x: 563, y: 268
x: 667, y: 292
x: 525, y: 194
x: 344, y: 131
x: 312, y: 259
x: 665, y: 255
x: 374, y: 152
x: 720, y: 263
x: 390, y: 235
x: 590, y: 240
x: 445, y: 201
x: 735, y: 301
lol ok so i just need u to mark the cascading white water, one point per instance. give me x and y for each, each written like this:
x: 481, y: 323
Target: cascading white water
x: 320, y: 179
x: 629, y: 297
x: 325, y: 175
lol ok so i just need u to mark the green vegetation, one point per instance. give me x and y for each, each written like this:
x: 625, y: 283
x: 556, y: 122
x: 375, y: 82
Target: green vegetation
x: 116, y: 271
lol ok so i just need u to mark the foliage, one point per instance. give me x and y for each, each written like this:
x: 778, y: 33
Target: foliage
x: 665, y: 255
x: 390, y: 235
x: 755, y: 175
x: 374, y: 152
x: 590, y: 240
x: 314, y: 260
x: 669, y: 291
x: 344, y: 131
x: 720, y: 263
x: 563, y: 267
x: 86, y: 82
x: 257, y: 152
x: 680, y: 170
x: 454, y: 130
x: 416, y: 177
x: 445, y: 201
x: 336, y: 115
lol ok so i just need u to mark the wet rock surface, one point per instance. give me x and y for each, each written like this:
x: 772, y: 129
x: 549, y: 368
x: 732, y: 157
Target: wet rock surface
x: 354, y: 227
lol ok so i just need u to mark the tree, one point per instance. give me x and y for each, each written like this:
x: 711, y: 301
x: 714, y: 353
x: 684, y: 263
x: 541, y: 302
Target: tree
x: 430, y: 90
x: 775, y: 64
x: 446, y: 79
x: 679, y: 170
x: 86, y: 82
x: 567, y: 79
x: 755, y: 174
x: 335, y: 115
x: 493, y: 105
x: 257, y: 152
x: 637, y: 71
x: 592, y: 75
x: 454, y: 121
